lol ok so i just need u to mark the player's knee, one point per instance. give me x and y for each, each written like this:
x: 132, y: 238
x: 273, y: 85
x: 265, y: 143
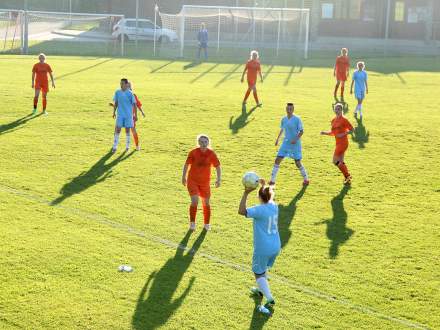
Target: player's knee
x: 336, y: 163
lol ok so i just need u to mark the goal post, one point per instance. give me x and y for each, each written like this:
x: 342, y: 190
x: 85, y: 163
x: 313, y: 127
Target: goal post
x: 275, y: 30
x: 11, y: 31
x: 71, y: 33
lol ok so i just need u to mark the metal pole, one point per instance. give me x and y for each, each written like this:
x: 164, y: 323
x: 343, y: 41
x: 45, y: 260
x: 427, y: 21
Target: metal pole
x: 279, y: 30
x: 155, y: 28
x: 218, y: 31
x: 70, y: 12
x: 26, y: 28
x: 122, y: 41
x: 182, y: 31
x: 306, y: 48
x: 387, y: 26
x: 137, y: 18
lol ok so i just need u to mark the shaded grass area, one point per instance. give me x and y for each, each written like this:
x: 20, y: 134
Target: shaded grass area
x: 81, y: 210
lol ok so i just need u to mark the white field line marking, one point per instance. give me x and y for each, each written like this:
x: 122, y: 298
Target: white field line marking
x: 299, y: 287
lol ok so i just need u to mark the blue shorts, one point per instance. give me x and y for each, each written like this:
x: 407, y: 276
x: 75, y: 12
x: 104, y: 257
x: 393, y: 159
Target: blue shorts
x: 203, y: 44
x: 124, y: 121
x: 260, y: 263
x: 293, y: 151
x: 360, y: 95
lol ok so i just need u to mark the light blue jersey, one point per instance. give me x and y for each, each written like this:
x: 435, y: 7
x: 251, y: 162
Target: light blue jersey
x: 125, y: 101
x: 360, y: 78
x: 265, y: 222
x: 291, y: 127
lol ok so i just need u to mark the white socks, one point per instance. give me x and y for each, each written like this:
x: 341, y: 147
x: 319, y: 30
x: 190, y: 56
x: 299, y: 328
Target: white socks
x: 263, y: 285
x: 127, y: 144
x: 275, y: 170
x: 116, y: 141
x: 303, y: 171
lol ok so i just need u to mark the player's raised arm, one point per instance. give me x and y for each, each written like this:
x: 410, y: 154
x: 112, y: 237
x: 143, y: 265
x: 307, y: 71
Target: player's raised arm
x: 242, y: 207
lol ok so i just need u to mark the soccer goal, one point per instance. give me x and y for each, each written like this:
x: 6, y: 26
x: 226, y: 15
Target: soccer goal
x: 11, y: 31
x: 71, y: 33
x: 273, y: 30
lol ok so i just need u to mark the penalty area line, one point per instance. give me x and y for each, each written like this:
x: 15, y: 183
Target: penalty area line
x: 280, y: 279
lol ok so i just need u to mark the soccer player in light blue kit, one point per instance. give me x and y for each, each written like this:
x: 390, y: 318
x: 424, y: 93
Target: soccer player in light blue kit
x: 359, y: 81
x: 292, y: 127
x: 124, y: 101
x: 267, y: 242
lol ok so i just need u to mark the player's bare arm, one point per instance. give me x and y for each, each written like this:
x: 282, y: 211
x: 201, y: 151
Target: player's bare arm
x: 115, y: 106
x: 218, y: 170
x: 52, y: 79
x: 261, y: 76
x: 366, y: 87
x: 297, y: 137
x: 33, y: 79
x: 278, y: 137
x: 184, y: 172
x: 244, y: 72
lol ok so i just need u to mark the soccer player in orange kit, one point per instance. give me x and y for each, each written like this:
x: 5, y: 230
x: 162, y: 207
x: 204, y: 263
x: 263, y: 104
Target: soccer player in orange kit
x: 341, y: 71
x: 197, y: 181
x: 40, y: 71
x: 253, y: 69
x: 138, y: 105
x: 341, y: 127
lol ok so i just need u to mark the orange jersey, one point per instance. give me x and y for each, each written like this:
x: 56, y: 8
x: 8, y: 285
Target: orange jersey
x: 342, y: 64
x: 138, y: 104
x: 341, y: 125
x: 253, y: 67
x: 201, y: 162
x: 41, y: 70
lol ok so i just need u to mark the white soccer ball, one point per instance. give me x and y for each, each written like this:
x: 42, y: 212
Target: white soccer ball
x: 251, y: 180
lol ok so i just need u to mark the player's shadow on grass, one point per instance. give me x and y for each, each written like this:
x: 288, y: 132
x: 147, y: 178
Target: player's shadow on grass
x: 155, y: 303
x: 286, y: 213
x: 191, y: 65
x: 99, y: 172
x: 83, y: 69
x: 360, y: 134
x: 13, y: 126
x: 337, y: 231
x: 242, y: 120
x: 258, y: 319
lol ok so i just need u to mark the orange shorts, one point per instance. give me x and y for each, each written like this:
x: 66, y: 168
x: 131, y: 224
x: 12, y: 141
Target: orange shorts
x: 202, y: 190
x: 252, y: 83
x: 340, y: 149
x: 43, y: 86
x: 341, y: 76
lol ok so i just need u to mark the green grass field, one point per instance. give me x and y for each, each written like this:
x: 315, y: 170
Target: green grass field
x: 71, y: 213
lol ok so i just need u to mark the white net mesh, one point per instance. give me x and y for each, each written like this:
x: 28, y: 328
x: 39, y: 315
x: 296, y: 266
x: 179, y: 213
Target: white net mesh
x: 69, y: 33
x: 11, y: 31
x: 274, y: 31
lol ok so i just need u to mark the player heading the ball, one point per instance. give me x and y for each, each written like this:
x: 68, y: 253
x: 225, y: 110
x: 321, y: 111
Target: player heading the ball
x: 197, y: 180
x: 267, y: 243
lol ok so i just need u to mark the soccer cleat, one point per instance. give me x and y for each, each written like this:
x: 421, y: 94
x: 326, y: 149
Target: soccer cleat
x: 347, y: 180
x: 34, y: 112
x: 264, y: 310
x: 192, y: 226
x: 113, y: 150
x: 207, y: 227
x: 259, y: 105
x: 127, y: 149
x: 271, y: 183
x: 45, y: 112
x: 138, y: 148
x: 269, y: 304
x: 306, y: 182
x: 256, y: 292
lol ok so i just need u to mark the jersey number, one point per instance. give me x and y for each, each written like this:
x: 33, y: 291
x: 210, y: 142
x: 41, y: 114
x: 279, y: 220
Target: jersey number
x: 272, y: 227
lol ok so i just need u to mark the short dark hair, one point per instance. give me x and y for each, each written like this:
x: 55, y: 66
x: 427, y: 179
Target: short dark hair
x: 125, y: 80
x: 289, y: 104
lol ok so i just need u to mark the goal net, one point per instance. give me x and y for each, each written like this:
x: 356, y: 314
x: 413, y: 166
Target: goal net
x: 275, y: 32
x: 71, y: 33
x: 11, y: 31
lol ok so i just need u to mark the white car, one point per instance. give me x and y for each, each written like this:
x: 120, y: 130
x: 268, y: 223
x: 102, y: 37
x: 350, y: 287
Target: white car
x: 126, y: 28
